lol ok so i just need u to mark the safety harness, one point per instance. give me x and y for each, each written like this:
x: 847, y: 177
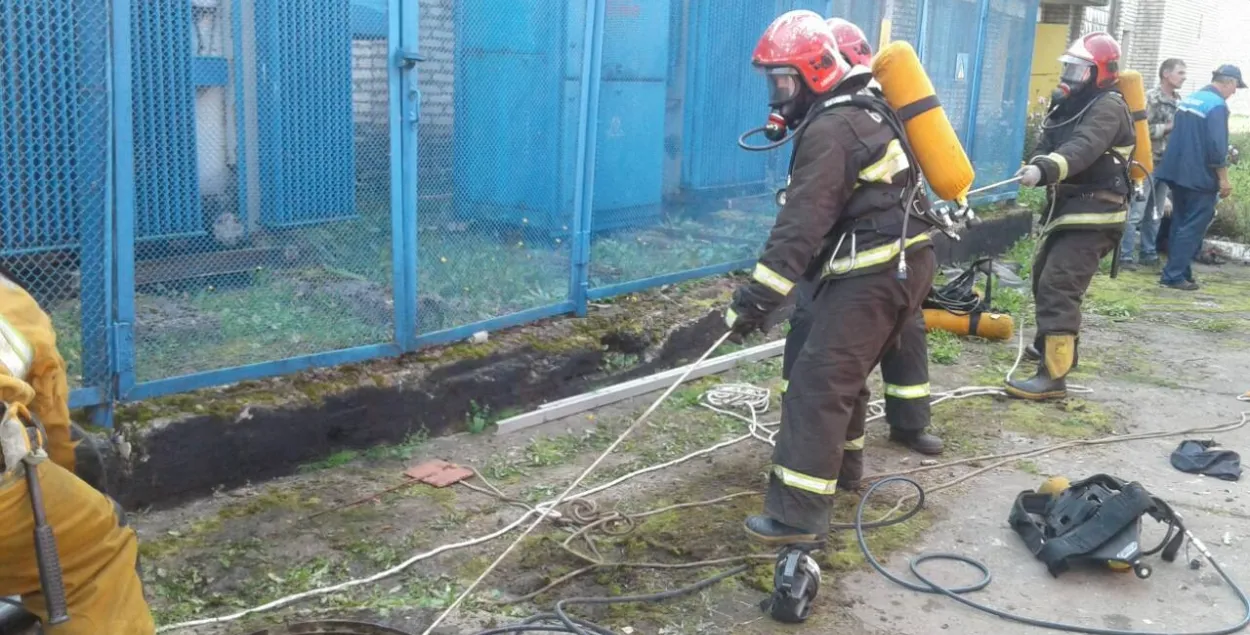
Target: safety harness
x: 909, y: 197
x: 1094, y: 520
x: 1122, y: 156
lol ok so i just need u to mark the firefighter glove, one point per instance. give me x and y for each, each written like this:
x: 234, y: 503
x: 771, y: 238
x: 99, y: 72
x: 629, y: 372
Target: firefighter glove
x: 1030, y: 175
x: 749, y: 311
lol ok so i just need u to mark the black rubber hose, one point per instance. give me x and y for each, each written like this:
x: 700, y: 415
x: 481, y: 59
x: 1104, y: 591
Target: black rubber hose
x: 929, y: 586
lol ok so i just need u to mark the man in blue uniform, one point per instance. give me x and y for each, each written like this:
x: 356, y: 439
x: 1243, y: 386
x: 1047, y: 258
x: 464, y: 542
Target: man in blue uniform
x: 1195, y: 167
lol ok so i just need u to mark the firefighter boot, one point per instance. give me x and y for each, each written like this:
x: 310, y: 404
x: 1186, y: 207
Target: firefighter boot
x: 917, y: 440
x: 773, y: 533
x: 1058, y: 355
x: 1031, y: 354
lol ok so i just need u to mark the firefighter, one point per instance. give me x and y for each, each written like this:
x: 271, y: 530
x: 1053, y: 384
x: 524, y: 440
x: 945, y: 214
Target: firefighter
x: 843, y: 229
x: 1084, y: 161
x: 98, y: 551
x: 905, y: 367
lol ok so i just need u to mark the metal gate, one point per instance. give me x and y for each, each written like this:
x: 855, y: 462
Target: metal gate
x: 203, y: 192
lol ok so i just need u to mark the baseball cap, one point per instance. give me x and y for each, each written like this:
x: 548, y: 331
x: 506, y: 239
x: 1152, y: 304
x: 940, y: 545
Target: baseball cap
x: 1228, y: 70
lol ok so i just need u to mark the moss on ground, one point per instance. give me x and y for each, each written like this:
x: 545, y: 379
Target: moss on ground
x: 1070, y: 418
x: 843, y: 552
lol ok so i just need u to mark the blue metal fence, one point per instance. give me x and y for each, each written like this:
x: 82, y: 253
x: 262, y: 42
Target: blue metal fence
x: 207, y: 191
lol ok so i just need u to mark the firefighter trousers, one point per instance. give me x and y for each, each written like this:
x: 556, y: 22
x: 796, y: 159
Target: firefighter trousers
x: 904, y: 373
x: 98, y: 553
x: 854, y: 322
x: 1062, y: 271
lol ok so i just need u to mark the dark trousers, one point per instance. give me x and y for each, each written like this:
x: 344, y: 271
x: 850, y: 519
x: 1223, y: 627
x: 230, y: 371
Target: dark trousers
x: 853, y: 322
x: 1192, y: 213
x: 904, y: 371
x: 1062, y: 271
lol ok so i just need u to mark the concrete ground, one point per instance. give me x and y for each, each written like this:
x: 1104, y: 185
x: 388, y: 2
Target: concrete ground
x: 1155, y: 360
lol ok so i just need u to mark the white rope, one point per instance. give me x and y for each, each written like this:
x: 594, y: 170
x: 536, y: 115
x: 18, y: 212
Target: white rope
x: 721, y: 399
x: 577, y: 481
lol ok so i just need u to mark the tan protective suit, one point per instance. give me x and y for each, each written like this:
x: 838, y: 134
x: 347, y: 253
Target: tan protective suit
x: 98, y: 552
x: 32, y: 372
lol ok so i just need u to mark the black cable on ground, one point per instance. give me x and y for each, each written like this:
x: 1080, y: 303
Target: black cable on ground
x: 561, y: 622
x: 929, y: 586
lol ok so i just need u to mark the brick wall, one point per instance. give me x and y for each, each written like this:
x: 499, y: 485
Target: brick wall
x: 1197, y: 31
x: 369, y: 82
x: 371, y: 99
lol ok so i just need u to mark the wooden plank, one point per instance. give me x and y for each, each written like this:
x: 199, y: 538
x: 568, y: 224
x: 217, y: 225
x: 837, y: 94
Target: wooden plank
x: 641, y: 386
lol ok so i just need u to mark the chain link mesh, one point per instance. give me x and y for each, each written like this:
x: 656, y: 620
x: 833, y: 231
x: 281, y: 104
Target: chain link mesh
x: 500, y: 96
x: 950, y: 52
x: 906, y: 22
x: 1002, y: 106
x: 673, y: 191
x: 262, y: 207
x: 262, y: 182
x: 54, y: 132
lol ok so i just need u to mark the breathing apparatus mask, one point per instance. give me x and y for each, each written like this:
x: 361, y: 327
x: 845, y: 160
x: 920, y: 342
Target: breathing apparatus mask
x: 1077, y: 74
x: 789, y: 101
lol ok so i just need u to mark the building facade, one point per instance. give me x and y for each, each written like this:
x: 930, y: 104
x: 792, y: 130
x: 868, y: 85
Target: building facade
x: 1201, y: 32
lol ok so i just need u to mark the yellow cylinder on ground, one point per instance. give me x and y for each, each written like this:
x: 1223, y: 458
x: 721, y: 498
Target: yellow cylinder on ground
x: 1133, y: 87
x: 909, y: 92
x: 1054, y: 486
x: 991, y: 326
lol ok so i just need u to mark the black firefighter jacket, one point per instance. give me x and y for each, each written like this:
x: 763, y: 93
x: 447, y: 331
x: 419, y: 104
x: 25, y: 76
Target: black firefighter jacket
x: 1084, y: 153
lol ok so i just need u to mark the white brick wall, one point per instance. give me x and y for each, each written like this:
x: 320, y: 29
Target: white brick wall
x: 1201, y: 32
x: 369, y: 82
x: 438, y: 84
x: 371, y: 99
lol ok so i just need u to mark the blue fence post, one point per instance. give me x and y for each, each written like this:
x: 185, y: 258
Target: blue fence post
x: 122, y: 268
x: 95, y: 230
x: 587, y: 134
x: 974, y: 85
x: 405, y: 113
x: 922, y: 37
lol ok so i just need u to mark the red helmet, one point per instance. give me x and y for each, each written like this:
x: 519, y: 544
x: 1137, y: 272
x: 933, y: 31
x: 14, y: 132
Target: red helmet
x: 799, y: 44
x: 1096, y: 51
x: 851, y: 41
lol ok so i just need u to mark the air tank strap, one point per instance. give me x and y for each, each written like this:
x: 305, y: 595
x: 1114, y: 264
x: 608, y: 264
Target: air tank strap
x: 919, y: 107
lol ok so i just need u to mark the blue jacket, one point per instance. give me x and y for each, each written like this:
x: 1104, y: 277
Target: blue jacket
x: 1199, y: 143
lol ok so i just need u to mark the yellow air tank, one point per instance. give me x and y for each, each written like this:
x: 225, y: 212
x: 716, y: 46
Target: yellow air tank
x: 1134, y: 90
x: 991, y: 326
x: 909, y: 92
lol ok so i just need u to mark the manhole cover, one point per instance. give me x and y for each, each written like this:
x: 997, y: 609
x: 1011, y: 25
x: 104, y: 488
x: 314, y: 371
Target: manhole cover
x: 330, y: 628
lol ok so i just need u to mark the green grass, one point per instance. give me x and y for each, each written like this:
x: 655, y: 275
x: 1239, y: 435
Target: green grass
x: 332, y: 289
x: 1021, y: 253
x: 338, y: 459
x: 478, y: 418
x: 944, y: 347
x: 1034, y: 198
x: 1216, y: 325
x: 1233, y: 219
x: 400, y: 451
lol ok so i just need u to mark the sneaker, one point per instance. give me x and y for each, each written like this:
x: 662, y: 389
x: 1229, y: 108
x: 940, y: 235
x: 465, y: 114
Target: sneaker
x: 1128, y: 265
